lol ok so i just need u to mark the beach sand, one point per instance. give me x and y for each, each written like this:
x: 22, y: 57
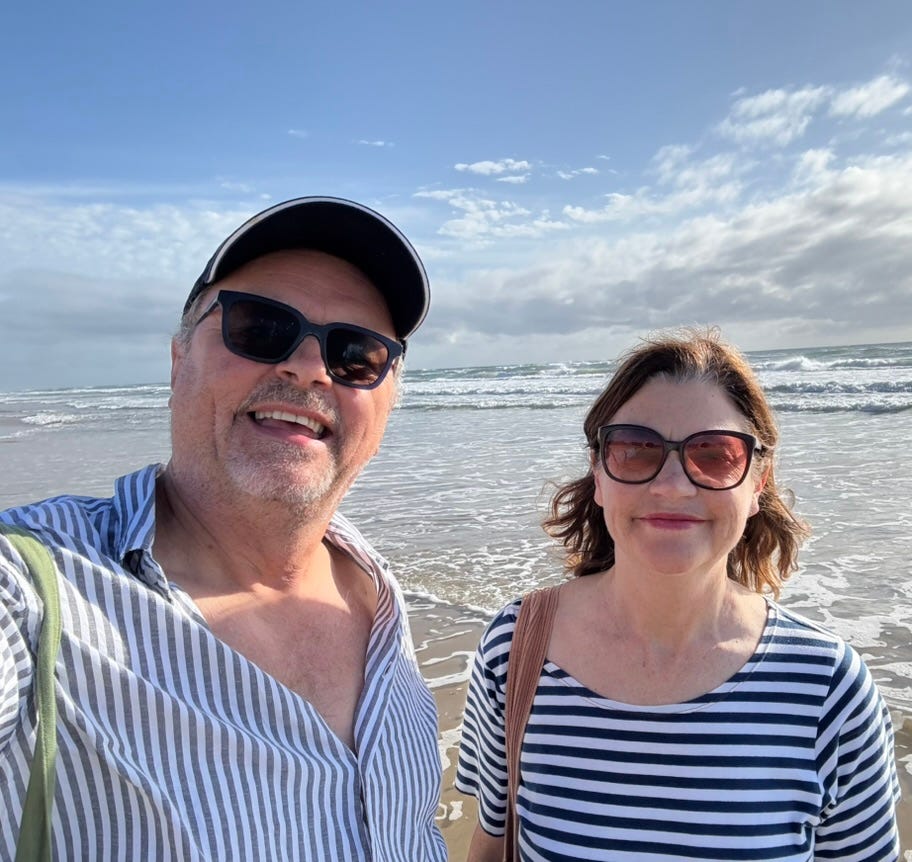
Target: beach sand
x: 445, y: 644
x: 445, y: 641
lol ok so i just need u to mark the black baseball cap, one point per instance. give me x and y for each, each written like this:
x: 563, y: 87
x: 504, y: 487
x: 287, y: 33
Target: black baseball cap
x: 343, y: 228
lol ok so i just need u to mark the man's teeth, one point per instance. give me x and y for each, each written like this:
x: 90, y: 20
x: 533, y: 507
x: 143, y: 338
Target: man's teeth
x: 316, y: 427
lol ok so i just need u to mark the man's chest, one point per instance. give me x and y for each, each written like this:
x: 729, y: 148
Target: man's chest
x: 316, y: 650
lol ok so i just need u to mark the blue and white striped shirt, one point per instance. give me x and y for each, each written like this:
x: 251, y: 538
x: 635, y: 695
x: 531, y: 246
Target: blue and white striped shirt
x: 790, y: 759
x: 174, y: 746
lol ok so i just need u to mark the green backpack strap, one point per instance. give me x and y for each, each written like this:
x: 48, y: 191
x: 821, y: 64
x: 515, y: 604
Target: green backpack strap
x: 35, y: 829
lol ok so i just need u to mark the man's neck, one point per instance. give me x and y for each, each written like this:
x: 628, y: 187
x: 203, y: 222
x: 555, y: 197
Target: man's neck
x: 228, y: 542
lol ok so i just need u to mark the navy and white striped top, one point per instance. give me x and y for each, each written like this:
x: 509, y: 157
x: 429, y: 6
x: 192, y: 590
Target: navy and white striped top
x: 790, y: 759
x: 174, y: 746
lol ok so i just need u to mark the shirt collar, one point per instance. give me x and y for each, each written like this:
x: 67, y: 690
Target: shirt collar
x: 134, y: 526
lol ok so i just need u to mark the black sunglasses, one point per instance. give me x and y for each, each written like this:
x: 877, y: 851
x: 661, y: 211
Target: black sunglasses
x: 717, y: 460
x: 264, y: 330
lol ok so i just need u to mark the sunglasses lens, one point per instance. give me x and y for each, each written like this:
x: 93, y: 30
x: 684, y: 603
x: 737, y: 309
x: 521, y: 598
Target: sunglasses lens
x: 716, y: 460
x: 354, y: 357
x: 267, y: 331
x: 632, y: 454
x: 259, y: 331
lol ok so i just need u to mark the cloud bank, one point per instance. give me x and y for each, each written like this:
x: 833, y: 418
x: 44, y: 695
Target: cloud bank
x: 788, y: 221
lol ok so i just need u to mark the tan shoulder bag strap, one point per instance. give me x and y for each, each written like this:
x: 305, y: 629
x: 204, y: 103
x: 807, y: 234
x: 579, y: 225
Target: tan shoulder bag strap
x: 527, y: 655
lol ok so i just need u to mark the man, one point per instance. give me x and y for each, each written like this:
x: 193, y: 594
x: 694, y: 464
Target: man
x: 236, y: 678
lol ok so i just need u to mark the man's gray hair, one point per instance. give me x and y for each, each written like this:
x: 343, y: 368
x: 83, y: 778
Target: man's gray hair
x: 188, y: 322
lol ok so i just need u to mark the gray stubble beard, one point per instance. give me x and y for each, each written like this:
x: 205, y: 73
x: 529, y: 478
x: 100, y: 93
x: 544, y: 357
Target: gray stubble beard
x: 254, y: 479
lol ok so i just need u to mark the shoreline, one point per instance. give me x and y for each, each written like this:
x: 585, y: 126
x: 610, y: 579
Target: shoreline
x: 445, y: 639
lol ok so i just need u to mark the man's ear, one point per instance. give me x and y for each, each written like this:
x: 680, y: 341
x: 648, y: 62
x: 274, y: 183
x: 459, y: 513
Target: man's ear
x: 177, y: 354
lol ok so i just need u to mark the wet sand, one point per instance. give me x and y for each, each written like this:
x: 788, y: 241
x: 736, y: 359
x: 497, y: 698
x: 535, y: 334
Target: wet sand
x: 445, y: 644
x: 445, y: 640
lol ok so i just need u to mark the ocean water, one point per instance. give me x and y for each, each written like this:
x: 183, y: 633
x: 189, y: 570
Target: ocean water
x: 456, y: 495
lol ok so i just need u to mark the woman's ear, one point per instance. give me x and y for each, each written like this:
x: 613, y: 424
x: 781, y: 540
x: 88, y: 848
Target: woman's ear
x: 598, y: 476
x: 759, y: 485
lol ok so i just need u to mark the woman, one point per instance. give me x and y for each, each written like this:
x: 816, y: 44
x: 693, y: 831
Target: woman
x: 681, y: 713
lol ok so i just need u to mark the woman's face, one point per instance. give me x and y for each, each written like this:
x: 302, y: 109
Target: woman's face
x: 669, y: 526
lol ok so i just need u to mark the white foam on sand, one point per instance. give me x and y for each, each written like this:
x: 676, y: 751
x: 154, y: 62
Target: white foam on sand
x: 450, y: 679
x: 449, y: 740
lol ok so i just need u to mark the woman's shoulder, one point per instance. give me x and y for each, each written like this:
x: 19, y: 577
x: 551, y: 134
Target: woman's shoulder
x: 794, y: 629
x: 494, y: 647
x: 502, y: 624
x: 795, y: 638
x: 504, y: 621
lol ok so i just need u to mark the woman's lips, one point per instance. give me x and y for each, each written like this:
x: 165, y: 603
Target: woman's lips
x: 671, y: 520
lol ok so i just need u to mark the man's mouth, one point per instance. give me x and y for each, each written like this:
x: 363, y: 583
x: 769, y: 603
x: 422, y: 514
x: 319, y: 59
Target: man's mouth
x: 266, y: 416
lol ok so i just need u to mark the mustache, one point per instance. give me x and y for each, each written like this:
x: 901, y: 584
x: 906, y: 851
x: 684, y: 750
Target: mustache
x: 306, y: 399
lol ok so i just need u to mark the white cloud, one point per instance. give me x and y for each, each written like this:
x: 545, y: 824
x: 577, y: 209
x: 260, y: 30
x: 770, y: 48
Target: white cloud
x: 706, y: 173
x: 813, y: 240
x: 669, y: 160
x: 569, y: 175
x: 813, y: 166
x: 299, y: 133
x: 696, y: 184
x: 830, y: 258
x: 164, y: 241
x: 775, y: 116
x: 233, y: 186
x: 869, y: 99
x: 781, y: 116
x: 481, y: 220
x: 490, y: 168
x: 441, y: 194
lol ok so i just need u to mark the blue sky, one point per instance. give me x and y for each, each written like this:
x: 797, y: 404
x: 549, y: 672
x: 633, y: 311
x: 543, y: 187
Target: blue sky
x: 574, y: 175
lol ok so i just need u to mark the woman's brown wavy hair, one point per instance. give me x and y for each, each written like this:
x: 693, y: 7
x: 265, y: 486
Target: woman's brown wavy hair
x: 767, y: 553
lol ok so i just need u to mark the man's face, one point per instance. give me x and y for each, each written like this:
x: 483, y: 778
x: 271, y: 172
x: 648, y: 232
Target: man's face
x: 285, y: 432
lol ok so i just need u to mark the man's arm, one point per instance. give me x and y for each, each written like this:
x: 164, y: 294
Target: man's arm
x: 16, y: 662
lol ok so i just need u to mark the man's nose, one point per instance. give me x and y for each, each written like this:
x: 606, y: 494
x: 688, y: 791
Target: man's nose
x: 306, y: 364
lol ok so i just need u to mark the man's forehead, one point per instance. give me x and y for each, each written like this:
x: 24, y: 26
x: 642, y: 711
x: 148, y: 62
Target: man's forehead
x: 306, y: 277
